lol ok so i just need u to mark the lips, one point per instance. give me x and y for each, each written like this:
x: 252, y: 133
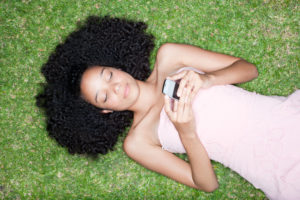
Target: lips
x: 126, y: 90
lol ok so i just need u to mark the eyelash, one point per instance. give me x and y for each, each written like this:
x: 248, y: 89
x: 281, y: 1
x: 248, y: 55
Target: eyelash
x: 111, y: 74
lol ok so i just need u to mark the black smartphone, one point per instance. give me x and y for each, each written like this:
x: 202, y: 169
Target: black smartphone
x: 170, y: 88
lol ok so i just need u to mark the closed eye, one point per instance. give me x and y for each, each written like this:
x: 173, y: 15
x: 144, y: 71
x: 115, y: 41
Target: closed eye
x: 108, y: 76
x: 105, y: 98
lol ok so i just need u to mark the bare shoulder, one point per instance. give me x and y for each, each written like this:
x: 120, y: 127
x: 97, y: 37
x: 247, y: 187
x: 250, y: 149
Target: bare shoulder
x: 137, y: 140
x: 144, y: 134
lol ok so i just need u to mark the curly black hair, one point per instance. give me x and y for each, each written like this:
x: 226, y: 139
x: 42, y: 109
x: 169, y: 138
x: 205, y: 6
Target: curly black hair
x: 103, y: 41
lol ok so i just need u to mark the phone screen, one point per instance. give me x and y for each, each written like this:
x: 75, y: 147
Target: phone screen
x: 170, y: 88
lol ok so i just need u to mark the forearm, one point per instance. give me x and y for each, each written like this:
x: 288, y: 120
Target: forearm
x: 202, y: 172
x: 239, y: 72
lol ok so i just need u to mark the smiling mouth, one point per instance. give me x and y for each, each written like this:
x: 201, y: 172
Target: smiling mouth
x: 126, y: 90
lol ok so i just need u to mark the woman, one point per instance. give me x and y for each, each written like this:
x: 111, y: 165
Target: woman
x: 100, y: 76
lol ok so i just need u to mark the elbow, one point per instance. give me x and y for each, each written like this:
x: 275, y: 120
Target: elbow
x: 208, y: 187
x: 252, y: 69
x: 211, y: 188
x: 167, y: 54
x: 255, y: 71
x: 164, y: 50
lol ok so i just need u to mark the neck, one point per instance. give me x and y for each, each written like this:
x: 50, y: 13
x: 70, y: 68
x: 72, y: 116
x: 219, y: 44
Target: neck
x: 145, y: 99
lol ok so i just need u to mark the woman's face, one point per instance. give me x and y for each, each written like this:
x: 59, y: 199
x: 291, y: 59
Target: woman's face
x: 109, y: 88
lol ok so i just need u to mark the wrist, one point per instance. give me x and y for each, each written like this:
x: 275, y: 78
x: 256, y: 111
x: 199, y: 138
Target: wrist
x: 211, y: 80
x: 191, y: 135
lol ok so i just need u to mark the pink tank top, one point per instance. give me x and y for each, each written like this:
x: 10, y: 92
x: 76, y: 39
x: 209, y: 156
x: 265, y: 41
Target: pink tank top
x: 257, y: 136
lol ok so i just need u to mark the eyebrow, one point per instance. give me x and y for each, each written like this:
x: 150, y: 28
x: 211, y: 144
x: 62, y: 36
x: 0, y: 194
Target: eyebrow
x: 101, y: 73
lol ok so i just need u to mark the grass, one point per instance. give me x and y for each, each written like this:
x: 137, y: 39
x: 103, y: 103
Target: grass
x: 33, y: 166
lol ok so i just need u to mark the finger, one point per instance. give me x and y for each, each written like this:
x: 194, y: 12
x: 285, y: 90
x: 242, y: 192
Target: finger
x: 190, y: 84
x: 195, y: 91
x: 198, y: 83
x: 181, y: 104
x: 189, y: 87
x: 175, y: 106
x: 188, y: 94
x: 182, y: 85
x: 185, y: 109
x: 187, y: 106
x: 195, y: 87
x: 188, y: 80
x: 177, y: 76
x: 167, y: 105
x: 168, y: 109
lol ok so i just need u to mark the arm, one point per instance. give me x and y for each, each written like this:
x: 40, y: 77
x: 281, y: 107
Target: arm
x: 221, y: 69
x: 198, y: 173
x: 202, y: 171
x: 156, y: 159
x: 182, y: 117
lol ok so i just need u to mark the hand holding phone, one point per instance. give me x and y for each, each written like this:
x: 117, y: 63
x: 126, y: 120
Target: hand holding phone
x: 189, y: 79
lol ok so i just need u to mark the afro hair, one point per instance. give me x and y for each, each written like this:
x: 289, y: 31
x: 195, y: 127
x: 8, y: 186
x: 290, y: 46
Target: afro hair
x: 103, y: 41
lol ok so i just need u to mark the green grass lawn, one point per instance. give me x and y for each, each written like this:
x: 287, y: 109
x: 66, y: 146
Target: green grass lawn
x: 33, y: 166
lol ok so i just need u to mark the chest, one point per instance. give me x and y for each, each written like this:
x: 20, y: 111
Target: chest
x: 146, y: 129
x: 148, y: 122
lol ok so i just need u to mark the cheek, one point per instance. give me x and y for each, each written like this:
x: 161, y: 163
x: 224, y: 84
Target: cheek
x: 114, y: 103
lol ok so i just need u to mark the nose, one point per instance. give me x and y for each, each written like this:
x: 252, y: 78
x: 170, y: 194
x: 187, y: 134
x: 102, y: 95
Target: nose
x: 116, y: 87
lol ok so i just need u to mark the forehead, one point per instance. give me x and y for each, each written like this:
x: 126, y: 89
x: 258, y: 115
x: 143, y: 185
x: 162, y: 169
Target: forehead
x: 92, y: 72
x: 89, y: 82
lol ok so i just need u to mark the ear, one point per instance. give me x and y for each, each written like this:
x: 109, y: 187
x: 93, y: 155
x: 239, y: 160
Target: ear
x: 106, y: 111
